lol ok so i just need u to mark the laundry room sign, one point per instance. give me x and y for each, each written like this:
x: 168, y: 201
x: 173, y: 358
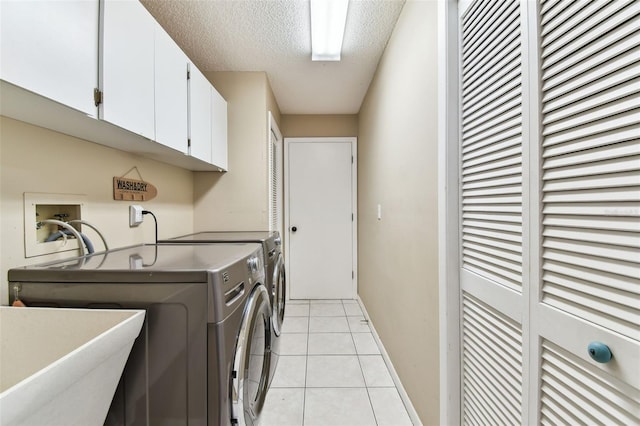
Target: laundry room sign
x: 125, y: 189
x: 133, y: 190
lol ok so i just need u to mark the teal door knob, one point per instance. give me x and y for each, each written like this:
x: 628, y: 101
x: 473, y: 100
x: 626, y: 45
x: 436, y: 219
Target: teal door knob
x: 599, y: 352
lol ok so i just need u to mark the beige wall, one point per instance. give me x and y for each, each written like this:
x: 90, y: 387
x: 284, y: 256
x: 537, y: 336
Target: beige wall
x: 238, y: 199
x: 301, y: 126
x: 397, y: 168
x: 34, y: 159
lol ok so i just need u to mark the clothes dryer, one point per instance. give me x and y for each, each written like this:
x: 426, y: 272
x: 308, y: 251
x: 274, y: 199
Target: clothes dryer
x: 275, y: 280
x: 203, y: 356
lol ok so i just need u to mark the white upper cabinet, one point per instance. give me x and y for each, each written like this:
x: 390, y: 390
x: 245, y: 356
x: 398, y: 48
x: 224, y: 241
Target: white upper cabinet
x: 127, y: 71
x: 219, y: 129
x: 171, y: 103
x: 199, y: 115
x: 54, y: 54
x: 51, y: 48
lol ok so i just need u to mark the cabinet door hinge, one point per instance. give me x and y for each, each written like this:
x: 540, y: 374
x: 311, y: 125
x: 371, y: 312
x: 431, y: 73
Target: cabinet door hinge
x: 97, y: 96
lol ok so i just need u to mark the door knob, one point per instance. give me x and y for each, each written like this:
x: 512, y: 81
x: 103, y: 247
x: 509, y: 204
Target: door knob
x: 599, y: 352
x: 294, y: 229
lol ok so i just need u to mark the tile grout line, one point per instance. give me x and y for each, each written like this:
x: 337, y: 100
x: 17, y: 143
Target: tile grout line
x: 359, y: 356
x: 364, y: 378
x: 306, y: 367
x: 404, y: 397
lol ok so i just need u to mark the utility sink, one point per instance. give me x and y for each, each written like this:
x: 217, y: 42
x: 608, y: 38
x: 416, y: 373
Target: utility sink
x: 62, y: 366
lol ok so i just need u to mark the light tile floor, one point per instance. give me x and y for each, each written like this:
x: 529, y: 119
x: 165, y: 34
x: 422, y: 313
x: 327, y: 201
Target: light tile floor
x: 330, y: 371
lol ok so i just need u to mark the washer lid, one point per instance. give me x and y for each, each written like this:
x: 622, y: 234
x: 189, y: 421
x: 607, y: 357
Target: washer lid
x: 221, y: 236
x: 142, y: 263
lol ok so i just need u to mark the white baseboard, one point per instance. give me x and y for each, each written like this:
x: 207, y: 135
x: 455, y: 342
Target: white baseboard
x: 413, y: 415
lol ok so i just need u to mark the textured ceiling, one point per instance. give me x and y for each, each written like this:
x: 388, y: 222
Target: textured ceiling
x: 274, y: 36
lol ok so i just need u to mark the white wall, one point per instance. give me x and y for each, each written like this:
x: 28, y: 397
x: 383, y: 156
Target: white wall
x: 397, y: 168
x: 33, y: 159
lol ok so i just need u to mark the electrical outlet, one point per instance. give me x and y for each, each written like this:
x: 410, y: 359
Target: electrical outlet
x: 136, y: 262
x: 135, y: 215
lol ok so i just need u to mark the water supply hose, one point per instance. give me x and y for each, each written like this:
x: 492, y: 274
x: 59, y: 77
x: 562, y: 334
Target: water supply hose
x: 61, y: 234
x: 84, y: 222
x: 70, y: 229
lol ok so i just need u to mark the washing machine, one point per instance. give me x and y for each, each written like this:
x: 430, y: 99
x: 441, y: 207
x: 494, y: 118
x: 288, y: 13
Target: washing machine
x: 203, y: 356
x: 274, y: 270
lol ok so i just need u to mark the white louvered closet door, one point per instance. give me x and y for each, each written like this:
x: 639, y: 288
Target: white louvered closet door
x: 590, y: 191
x: 491, y: 277
x: 550, y: 211
x: 276, y: 220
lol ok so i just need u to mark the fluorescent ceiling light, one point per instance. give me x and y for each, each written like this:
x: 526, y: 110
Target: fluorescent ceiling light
x: 328, y: 19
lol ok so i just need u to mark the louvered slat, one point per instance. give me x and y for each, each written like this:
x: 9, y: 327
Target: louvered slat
x: 574, y: 391
x: 492, y: 142
x: 509, y: 138
x: 549, y: 9
x: 592, y: 209
x: 501, y: 83
x: 606, y: 65
x: 497, y: 17
x: 591, y: 167
x: 570, y: 13
x: 490, y: 154
x: 596, y: 154
x: 563, y: 145
x: 507, y: 72
x: 599, y: 181
x: 605, y: 278
x: 492, y: 379
x: 605, y: 29
x: 593, y: 235
x: 629, y: 193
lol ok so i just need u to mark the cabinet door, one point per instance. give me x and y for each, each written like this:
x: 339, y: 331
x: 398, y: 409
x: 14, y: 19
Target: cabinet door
x: 219, y: 129
x: 199, y: 115
x: 170, y: 92
x: 128, y: 66
x: 51, y: 48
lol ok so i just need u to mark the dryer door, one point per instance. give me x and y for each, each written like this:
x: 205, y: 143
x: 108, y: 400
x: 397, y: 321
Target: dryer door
x: 249, y: 379
x: 279, y: 296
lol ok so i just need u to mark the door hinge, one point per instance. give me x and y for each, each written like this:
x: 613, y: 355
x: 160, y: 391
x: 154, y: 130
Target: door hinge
x: 352, y: 159
x: 351, y: 217
x: 353, y: 275
x: 97, y: 96
x: 188, y: 75
x: 189, y: 143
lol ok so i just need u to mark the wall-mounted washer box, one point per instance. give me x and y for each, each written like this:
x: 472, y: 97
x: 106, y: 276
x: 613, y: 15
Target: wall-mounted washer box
x: 41, y: 206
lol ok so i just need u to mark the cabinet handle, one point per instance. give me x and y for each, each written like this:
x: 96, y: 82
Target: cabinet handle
x: 599, y: 352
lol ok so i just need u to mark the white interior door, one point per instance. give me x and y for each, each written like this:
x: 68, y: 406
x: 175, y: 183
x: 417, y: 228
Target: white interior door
x: 276, y: 184
x: 320, y: 219
x: 549, y: 236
